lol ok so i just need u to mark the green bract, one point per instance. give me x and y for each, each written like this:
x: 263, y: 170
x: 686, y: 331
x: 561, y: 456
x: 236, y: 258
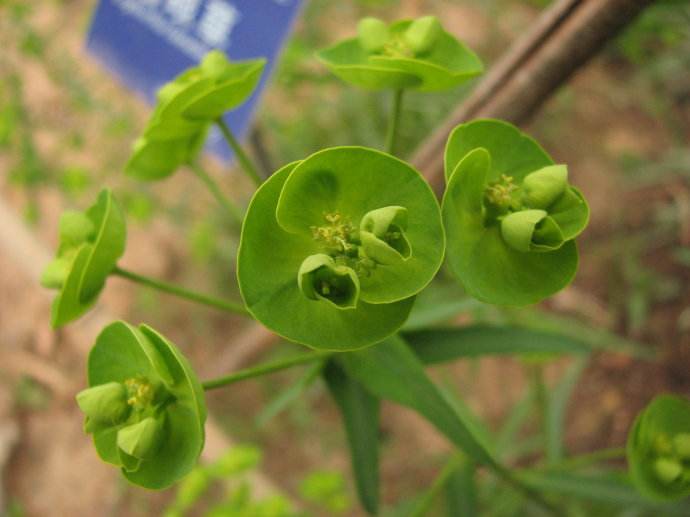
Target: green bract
x: 90, y: 245
x: 658, y: 449
x: 409, y: 54
x: 187, y: 106
x: 335, y: 247
x: 510, y: 215
x: 144, y: 407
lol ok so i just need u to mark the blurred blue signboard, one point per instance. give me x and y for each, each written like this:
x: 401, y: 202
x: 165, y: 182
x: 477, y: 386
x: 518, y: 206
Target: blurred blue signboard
x: 148, y: 42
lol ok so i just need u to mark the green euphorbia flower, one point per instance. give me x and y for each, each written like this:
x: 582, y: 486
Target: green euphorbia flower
x: 90, y: 245
x: 658, y: 449
x: 335, y: 247
x: 186, y: 107
x: 510, y: 215
x: 145, y: 406
x: 409, y: 54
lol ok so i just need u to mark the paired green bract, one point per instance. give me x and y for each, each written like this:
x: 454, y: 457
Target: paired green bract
x: 409, y: 54
x: 144, y: 406
x: 187, y: 106
x: 335, y: 247
x: 91, y: 243
x: 510, y: 215
x: 658, y: 449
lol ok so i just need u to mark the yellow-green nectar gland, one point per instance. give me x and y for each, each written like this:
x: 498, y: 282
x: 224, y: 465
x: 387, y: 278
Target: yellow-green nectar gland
x: 397, y: 47
x: 335, y: 235
x: 340, y: 240
x: 140, y: 393
x: 501, y: 193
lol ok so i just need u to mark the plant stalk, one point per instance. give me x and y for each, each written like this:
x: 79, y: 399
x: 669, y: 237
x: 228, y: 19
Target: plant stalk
x: 263, y: 369
x: 541, y: 404
x: 394, y: 121
x: 246, y: 163
x: 181, y: 292
x: 213, y: 187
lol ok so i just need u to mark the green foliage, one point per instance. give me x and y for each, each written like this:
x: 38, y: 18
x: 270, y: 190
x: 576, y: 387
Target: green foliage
x: 144, y: 406
x: 360, y: 411
x: 391, y: 371
x: 409, y: 54
x: 302, y: 247
x: 510, y: 215
x: 441, y: 345
x: 327, y: 490
x: 187, y: 106
x: 90, y: 245
x: 659, y: 449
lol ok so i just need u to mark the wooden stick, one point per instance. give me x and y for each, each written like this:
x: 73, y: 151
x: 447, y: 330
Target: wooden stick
x: 564, y: 38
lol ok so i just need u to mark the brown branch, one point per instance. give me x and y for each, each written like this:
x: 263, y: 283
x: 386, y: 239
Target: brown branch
x: 563, y: 39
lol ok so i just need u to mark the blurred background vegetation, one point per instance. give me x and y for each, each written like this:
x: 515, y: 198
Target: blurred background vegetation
x: 622, y: 124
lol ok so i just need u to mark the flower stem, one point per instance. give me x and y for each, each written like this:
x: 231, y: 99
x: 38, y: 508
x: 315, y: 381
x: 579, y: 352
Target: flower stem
x: 512, y: 479
x: 181, y: 292
x: 263, y: 369
x: 213, y: 187
x: 536, y: 372
x: 394, y: 121
x: 244, y: 160
x: 585, y: 460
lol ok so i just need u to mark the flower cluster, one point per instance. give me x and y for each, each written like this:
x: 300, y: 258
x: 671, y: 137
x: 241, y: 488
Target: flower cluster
x: 408, y: 54
x: 510, y: 214
x: 335, y: 247
x: 658, y: 449
x: 91, y: 242
x: 186, y: 107
x: 144, y: 407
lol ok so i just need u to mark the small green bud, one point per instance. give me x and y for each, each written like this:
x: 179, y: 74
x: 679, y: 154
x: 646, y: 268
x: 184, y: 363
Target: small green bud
x: 531, y: 230
x: 373, y: 34
x: 541, y: 188
x: 75, y: 228
x: 214, y: 64
x: 55, y: 273
x: 320, y: 278
x: 105, y: 404
x: 141, y: 440
x: 681, y: 445
x: 422, y: 34
x: 667, y: 470
x: 382, y: 233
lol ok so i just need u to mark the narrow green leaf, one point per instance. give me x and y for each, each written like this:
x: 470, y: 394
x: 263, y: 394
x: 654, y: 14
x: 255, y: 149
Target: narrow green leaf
x: 461, y: 491
x: 426, y: 503
x: 390, y: 370
x: 289, y: 396
x: 438, y: 303
x: 360, y: 412
x: 608, y: 488
x: 556, y: 411
x: 440, y: 345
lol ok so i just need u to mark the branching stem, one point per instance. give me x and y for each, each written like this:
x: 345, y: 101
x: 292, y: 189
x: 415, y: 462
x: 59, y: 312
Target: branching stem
x: 213, y: 187
x: 246, y: 163
x: 394, y: 121
x: 181, y: 292
x: 263, y: 369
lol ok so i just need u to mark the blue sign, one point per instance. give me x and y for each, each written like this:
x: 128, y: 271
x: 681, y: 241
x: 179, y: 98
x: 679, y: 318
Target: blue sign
x: 148, y: 42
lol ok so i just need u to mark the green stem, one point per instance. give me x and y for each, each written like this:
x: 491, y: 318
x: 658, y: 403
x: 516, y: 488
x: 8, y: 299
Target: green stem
x: 541, y: 403
x: 241, y: 156
x: 181, y: 292
x: 263, y: 369
x: 509, y: 477
x: 213, y: 187
x: 394, y: 121
x: 585, y: 460
x: 427, y: 501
